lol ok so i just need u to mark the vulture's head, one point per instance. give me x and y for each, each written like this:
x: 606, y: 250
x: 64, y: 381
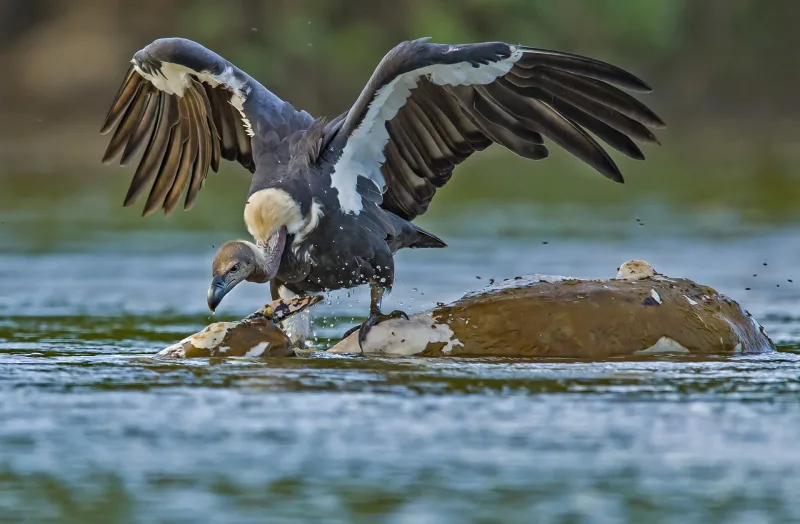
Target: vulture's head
x: 272, y: 216
x: 236, y: 261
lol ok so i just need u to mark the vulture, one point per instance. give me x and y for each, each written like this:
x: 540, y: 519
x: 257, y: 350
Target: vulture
x: 330, y: 202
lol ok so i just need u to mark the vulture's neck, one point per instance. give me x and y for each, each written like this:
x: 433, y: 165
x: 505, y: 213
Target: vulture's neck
x: 259, y: 273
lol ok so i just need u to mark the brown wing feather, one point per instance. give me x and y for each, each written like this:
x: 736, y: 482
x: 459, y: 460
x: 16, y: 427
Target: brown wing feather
x: 172, y: 157
x: 205, y: 152
x: 176, y: 158
x: 143, y: 129
x: 122, y: 99
x: 188, y: 132
x: 129, y: 123
x: 154, y: 154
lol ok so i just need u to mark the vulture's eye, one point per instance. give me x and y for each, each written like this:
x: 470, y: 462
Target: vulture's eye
x: 235, y: 268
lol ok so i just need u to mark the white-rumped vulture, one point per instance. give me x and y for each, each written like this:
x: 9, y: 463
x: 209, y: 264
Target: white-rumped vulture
x: 331, y: 202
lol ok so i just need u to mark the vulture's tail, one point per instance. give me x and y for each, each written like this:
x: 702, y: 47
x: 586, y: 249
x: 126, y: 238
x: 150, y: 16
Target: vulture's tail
x: 424, y: 239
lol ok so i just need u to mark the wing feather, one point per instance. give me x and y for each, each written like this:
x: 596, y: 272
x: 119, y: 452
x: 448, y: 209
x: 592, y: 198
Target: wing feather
x: 428, y: 107
x: 581, y: 65
x: 598, y: 91
x: 192, y: 108
x: 121, y: 100
x: 130, y: 121
x: 439, y: 138
x: 499, y: 116
x: 169, y: 165
x: 143, y: 129
x: 546, y: 90
x: 154, y: 154
x: 189, y: 134
x: 556, y: 128
x: 204, y: 149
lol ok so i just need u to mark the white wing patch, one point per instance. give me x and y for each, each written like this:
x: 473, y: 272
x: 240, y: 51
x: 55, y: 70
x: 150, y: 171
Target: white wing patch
x: 363, y: 155
x: 177, y: 78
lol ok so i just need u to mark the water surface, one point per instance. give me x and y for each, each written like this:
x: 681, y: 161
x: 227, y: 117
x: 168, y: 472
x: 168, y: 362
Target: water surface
x: 94, y: 429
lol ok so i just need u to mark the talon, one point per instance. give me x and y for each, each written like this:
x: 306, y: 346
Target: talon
x: 363, y: 329
x: 398, y: 314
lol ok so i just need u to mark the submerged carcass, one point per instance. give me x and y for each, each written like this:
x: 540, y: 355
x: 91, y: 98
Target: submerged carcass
x: 639, y: 312
x: 258, y: 335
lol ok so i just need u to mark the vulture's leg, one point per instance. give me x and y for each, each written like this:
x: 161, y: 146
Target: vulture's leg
x: 376, y: 293
x: 274, y: 289
x: 297, y: 327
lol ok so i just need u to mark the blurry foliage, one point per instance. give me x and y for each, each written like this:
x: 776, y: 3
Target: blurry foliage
x: 724, y: 73
x: 721, y: 58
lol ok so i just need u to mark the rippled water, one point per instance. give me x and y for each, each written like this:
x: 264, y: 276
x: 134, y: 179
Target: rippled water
x: 92, y: 428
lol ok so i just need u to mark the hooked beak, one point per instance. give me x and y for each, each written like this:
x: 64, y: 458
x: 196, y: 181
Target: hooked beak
x: 272, y: 252
x: 219, y: 287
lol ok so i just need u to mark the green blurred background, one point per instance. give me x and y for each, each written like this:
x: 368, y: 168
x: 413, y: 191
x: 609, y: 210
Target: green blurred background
x: 725, y: 75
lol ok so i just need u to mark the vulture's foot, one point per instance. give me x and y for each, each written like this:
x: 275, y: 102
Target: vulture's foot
x: 376, y: 317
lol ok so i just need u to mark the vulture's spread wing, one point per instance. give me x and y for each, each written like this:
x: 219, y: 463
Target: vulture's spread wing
x: 191, y: 107
x: 428, y: 107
